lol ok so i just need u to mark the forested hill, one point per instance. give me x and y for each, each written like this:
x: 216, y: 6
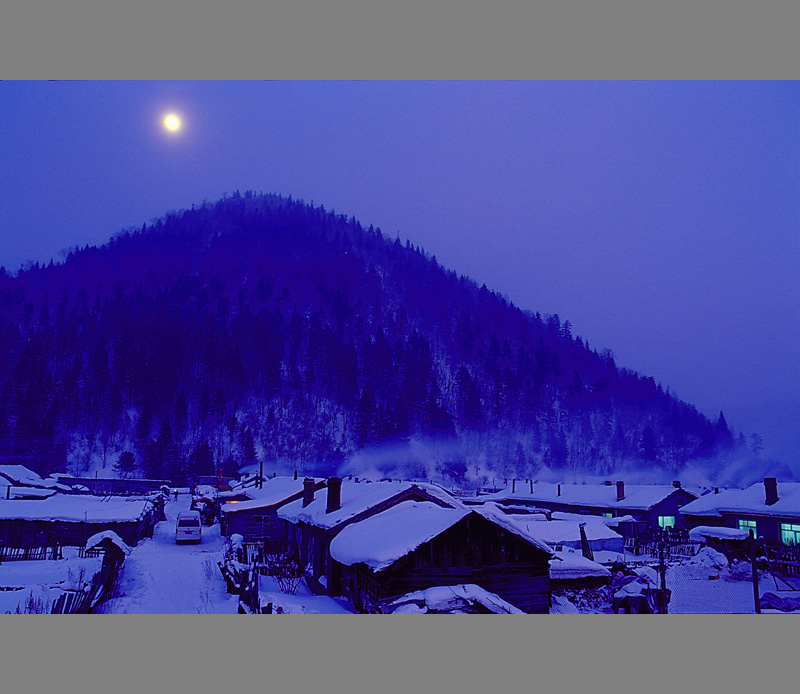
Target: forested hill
x: 259, y: 327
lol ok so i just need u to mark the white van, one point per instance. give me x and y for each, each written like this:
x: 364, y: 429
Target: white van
x: 188, y: 527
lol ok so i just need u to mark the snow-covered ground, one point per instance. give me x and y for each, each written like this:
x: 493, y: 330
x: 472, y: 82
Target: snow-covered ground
x: 43, y: 581
x: 162, y: 577
x: 302, y: 602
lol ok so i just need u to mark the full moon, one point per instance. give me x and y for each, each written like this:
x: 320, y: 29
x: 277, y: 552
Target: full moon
x: 172, y: 122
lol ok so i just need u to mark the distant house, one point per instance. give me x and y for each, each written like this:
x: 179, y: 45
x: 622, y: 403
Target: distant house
x: 70, y: 520
x: 114, y: 486
x: 255, y: 517
x: 314, y: 521
x: 651, y: 505
x: 18, y: 482
x: 770, y: 510
x: 559, y: 529
x: 414, y: 546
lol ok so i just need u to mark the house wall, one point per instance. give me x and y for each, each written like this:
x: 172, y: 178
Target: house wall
x: 670, y: 507
x: 768, y: 528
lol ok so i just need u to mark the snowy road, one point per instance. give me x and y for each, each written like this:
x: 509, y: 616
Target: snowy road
x: 161, y: 577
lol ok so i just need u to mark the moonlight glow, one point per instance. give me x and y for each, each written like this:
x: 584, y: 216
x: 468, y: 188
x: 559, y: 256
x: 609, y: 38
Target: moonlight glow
x: 171, y: 122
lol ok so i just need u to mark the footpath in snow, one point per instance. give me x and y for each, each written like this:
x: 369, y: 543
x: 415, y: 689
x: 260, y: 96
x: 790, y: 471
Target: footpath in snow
x: 162, y: 577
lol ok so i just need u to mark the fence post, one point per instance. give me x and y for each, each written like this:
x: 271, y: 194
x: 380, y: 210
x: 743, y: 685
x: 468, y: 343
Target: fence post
x: 756, y: 597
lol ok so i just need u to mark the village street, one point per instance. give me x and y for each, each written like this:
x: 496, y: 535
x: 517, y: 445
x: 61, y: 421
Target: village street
x: 162, y: 577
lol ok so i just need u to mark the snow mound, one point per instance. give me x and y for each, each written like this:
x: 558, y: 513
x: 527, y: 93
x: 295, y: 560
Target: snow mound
x: 710, y: 559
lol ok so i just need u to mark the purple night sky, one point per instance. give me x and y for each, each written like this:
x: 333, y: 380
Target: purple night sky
x: 659, y: 218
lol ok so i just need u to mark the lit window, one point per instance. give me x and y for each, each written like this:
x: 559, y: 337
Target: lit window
x: 747, y: 526
x: 608, y: 515
x: 666, y: 521
x: 790, y: 533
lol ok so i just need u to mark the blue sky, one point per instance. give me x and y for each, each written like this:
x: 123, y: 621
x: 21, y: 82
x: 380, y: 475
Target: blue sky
x: 660, y: 218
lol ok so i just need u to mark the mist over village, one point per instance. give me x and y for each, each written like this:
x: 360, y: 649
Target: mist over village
x: 535, y: 363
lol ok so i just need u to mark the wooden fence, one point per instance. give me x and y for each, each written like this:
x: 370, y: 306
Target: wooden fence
x: 101, y: 588
x: 30, y: 553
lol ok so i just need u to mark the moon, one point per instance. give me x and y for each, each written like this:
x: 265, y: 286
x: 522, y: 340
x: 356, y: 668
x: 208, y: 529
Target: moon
x: 172, y: 122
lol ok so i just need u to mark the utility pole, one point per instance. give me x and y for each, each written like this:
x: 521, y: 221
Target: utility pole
x: 756, y: 596
x: 662, y: 574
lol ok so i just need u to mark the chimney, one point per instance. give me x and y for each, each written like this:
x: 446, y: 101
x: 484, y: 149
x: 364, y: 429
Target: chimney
x: 716, y: 490
x: 514, y: 485
x: 308, y: 491
x: 531, y: 486
x: 771, y: 490
x: 608, y: 483
x: 676, y: 484
x: 620, y: 490
x: 558, y: 493
x: 334, y: 494
x: 295, y: 474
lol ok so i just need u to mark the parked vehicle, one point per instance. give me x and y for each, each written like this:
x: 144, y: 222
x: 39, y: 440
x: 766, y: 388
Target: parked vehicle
x: 188, y: 527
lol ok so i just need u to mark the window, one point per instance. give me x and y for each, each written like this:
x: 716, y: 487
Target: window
x: 748, y: 525
x: 608, y: 515
x: 790, y: 533
x: 666, y: 521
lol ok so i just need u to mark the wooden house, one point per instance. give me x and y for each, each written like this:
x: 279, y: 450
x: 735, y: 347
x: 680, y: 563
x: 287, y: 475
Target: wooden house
x: 114, y: 486
x: 70, y: 520
x: 255, y: 517
x: 769, y: 510
x: 650, y: 505
x: 414, y: 546
x: 314, y: 521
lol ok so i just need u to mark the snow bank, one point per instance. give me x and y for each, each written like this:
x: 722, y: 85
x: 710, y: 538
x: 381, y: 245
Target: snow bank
x: 458, y: 599
x: 709, y: 558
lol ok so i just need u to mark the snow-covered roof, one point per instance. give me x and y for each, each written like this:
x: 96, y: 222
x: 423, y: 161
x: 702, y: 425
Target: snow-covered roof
x: 382, y: 539
x: 640, y: 497
x: 451, y: 599
x: 571, y: 565
x: 72, y: 508
x: 356, y: 497
x: 275, y: 490
x: 701, y: 532
x: 493, y: 513
x: 19, y: 474
x: 37, y: 492
x: 110, y: 535
x: 748, y: 501
x: 560, y: 530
